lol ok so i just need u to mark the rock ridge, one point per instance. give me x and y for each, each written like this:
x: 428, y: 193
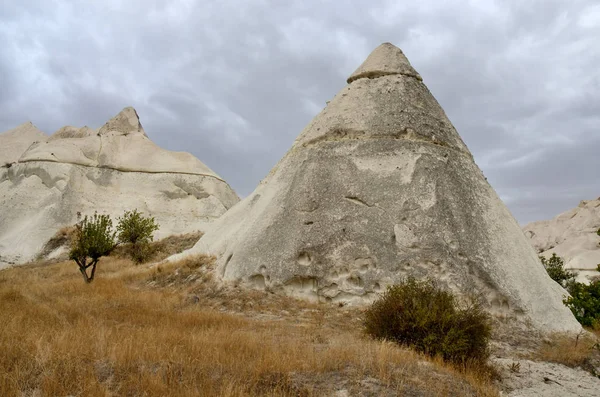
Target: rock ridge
x: 378, y: 74
x: 46, y: 180
x: 407, y: 134
x: 572, y: 235
x: 119, y: 169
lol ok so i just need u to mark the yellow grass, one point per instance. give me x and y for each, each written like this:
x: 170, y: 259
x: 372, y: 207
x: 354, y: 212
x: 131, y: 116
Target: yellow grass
x: 170, y: 331
x: 570, y: 350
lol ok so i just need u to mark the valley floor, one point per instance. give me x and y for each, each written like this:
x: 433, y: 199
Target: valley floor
x: 169, y: 330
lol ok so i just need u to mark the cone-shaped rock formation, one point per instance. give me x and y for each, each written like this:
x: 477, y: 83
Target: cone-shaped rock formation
x: 380, y: 186
x: 46, y: 181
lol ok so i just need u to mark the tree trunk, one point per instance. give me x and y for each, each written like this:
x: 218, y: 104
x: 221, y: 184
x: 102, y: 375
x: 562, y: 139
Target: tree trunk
x: 93, y: 270
x: 84, y: 274
x: 83, y: 269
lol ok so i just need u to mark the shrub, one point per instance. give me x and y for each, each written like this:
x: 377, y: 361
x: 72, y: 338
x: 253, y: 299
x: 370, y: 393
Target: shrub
x: 584, y: 302
x: 421, y: 315
x: 555, y: 267
x: 92, y: 240
x: 136, y: 230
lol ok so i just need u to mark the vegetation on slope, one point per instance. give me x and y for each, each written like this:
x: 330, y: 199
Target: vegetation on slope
x: 136, y: 231
x: 168, y: 330
x: 422, y: 315
x: 584, y: 299
x: 93, y: 239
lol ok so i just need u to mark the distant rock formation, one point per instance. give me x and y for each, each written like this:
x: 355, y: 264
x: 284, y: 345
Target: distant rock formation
x: 573, y: 236
x: 16, y: 141
x: 380, y: 186
x: 46, y: 181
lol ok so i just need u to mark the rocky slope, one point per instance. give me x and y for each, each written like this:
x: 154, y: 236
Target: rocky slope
x: 573, y: 236
x: 46, y: 182
x: 380, y: 186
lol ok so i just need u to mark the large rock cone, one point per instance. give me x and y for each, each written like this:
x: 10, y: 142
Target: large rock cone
x: 46, y: 181
x: 380, y: 186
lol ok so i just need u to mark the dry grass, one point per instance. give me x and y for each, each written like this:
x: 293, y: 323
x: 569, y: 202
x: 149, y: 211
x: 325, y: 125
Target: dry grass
x: 582, y: 350
x: 170, y: 331
x: 173, y: 244
x: 162, y: 249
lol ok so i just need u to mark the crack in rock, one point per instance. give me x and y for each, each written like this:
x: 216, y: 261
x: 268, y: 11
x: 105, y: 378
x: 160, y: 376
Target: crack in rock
x: 356, y: 200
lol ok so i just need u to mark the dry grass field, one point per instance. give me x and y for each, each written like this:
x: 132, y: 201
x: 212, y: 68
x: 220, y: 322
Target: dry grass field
x: 169, y: 330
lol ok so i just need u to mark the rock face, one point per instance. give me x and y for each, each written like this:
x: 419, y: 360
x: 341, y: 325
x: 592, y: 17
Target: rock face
x: 45, y: 181
x: 16, y: 141
x: 380, y: 186
x: 573, y: 236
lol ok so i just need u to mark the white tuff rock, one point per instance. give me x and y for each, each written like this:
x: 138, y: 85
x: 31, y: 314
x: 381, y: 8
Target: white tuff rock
x: 380, y: 186
x: 45, y: 181
x: 573, y: 236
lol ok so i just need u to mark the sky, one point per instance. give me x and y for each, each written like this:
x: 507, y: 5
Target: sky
x: 234, y: 82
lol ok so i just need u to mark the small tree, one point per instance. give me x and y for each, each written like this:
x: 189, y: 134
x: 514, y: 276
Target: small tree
x: 135, y: 229
x: 555, y: 267
x: 584, y: 302
x: 93, y: 239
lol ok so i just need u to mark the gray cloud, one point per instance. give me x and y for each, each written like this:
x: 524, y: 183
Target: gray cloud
x: 235, y: 82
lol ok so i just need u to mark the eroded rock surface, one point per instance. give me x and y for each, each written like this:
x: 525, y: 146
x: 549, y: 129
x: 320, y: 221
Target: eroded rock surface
x: 45, y: 181
x: 380, y: 186
x: 533, y: 379
x: 573, y: 236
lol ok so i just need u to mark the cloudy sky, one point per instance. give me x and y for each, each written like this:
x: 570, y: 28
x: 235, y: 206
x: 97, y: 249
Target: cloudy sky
x: 235, y: 81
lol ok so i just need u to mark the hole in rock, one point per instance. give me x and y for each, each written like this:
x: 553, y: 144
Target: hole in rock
x: 300, y: 286
x: 355, y: 281
x: 304, y: 259
x: 258, y: 281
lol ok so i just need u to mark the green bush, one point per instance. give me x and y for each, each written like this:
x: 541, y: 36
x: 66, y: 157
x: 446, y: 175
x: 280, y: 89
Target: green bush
x: 136, y: 230
x: 421, y: 315
x: 93, y: 238
x: 584, y: 302
x: 555, y: 267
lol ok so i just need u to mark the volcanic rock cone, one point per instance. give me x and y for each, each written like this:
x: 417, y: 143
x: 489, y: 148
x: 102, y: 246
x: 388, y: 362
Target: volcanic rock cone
x: 380, y: 186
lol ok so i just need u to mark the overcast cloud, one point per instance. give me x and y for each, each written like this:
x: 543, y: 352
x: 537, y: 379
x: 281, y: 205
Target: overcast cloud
x: 234, y: 82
